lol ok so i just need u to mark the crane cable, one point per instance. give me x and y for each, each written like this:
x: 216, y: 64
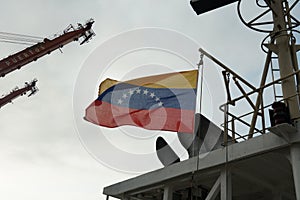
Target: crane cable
x: 19, y: 38
x: 20, y: 35
x: 13, y: 42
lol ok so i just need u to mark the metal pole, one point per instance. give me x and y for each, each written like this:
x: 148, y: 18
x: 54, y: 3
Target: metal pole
x: 260, y: 93
x: 226, y: 187
x: 233, y: 130
x: 226, y: 68
x: 293, y: 45
x: 225, y: 138
x: 215, y: 190
x: 168, y: 193
x: 285, y: 57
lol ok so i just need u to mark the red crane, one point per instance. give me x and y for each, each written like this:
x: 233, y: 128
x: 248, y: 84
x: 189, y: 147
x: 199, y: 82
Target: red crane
x: 19, y: 92
x: 18, y: 60
x: 32, y: 53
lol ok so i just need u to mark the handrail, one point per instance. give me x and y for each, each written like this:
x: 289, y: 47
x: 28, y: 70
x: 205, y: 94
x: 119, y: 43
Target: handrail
x: 245, y: 123
x: 265, y: 86
x: 258, y: 108
x: 226, y: 68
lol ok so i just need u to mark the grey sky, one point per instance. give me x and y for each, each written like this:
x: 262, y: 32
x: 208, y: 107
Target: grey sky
x: 41, y: 154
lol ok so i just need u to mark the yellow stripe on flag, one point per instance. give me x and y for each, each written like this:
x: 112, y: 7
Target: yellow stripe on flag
x: 185, y: 79
x: 107, y: 83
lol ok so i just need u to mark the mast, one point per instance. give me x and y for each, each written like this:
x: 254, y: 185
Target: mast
x: 285, y: 51
x: 30, y: 54
x: 283, y: 47
x: 19, y: 92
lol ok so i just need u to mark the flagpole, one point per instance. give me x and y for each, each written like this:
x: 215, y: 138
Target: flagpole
x: 200, y: 73
x: 200, y: 65
x: 195, y: 140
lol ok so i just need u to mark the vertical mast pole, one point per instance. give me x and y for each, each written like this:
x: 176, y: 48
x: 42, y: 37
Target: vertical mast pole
x: 285, y: 55
x: 287, y: 64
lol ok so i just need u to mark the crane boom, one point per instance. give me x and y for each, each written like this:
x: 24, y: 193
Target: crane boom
x: 17, y: 60
x: 19, y: 92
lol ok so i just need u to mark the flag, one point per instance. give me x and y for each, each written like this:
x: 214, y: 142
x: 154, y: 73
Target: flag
x: 161, y: 102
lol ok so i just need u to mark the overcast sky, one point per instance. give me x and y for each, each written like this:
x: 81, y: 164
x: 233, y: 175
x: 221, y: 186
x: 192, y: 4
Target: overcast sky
x: 42, y: 155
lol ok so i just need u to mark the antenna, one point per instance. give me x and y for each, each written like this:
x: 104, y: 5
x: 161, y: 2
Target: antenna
x: 276, y: 19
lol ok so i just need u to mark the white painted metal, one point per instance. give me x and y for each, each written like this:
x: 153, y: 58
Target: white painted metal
x: 226, y: 184
x: 247, y: 169
x: 285, y: 58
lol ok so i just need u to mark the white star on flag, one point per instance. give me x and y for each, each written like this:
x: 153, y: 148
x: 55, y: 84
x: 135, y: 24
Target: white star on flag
x: 131, y: 92
x: 124, y: 96
x: 146, y: 92
x: 120, y: 101
x: 152, y: 95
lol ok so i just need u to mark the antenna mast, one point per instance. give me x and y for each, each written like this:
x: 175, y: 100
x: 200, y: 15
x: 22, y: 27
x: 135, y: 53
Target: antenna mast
x: 283, y: 45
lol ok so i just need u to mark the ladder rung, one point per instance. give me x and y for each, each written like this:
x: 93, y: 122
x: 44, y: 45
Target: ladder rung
x: 275, y: 70
x: 278, y: 96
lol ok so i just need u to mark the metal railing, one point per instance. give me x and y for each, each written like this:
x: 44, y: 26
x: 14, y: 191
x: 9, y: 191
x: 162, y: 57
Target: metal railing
x: 232, y: 121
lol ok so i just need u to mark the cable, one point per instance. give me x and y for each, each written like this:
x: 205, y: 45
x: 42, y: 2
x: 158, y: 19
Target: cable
x: 14, y: 38
x: 19, y: 38
x: 12, y: 42
x: 20, y: 35
x: 21, y: 41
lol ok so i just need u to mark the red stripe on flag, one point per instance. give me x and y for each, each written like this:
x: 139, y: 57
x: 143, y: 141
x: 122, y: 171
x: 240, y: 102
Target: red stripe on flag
x: 169, y: 119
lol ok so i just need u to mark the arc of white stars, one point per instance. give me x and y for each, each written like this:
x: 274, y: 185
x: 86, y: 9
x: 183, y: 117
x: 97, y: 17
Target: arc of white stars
x: 139, y: 91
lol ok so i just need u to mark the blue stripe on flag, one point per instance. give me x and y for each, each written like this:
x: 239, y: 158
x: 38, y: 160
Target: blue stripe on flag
x: 138, y: 97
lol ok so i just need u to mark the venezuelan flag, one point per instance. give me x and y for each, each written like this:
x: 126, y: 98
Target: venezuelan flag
x: 161, y: 102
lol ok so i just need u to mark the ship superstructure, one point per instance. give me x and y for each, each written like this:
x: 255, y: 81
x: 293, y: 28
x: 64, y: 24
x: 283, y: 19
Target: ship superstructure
x: 263, y: 161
